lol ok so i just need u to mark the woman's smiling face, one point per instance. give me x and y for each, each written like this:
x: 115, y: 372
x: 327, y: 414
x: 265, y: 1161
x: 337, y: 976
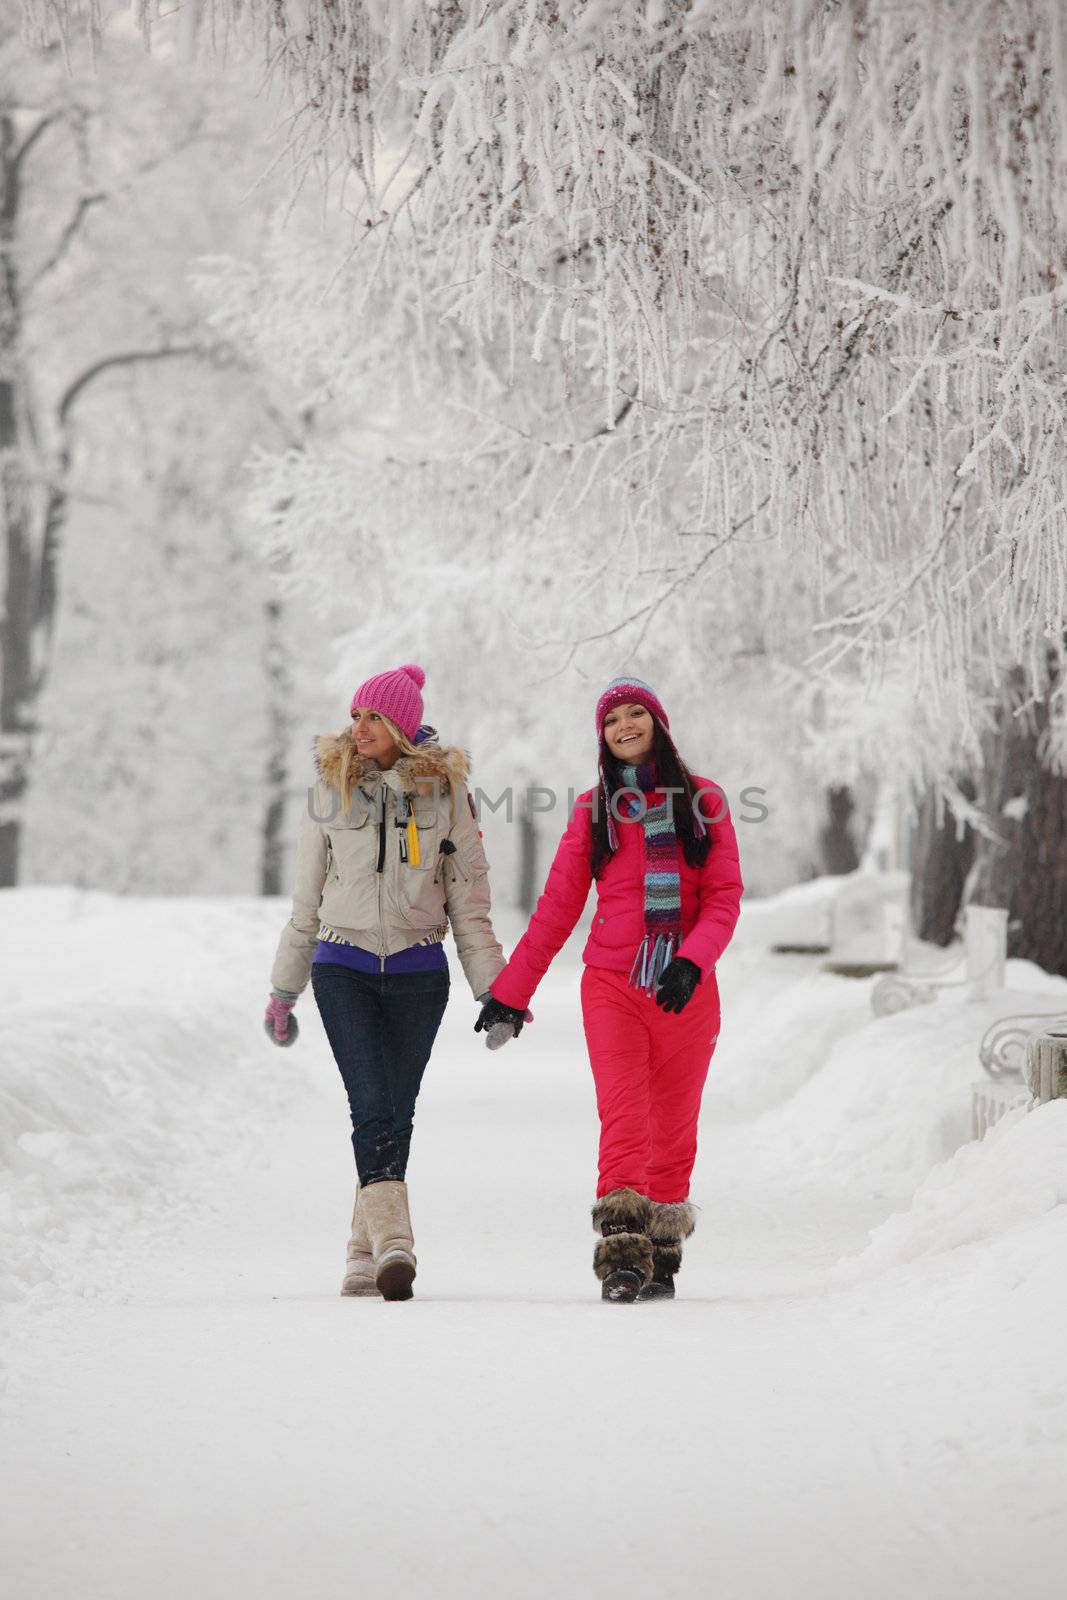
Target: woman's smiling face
x: 371, y: 737
x: 628, y: 733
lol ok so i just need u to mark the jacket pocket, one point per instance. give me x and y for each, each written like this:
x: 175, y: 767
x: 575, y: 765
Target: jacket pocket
x: 420, y: 892
x: 350, y: 850
x: 350, y: 892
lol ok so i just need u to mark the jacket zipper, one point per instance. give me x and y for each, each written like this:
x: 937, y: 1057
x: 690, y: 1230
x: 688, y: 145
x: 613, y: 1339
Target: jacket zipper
x: 380, y: 869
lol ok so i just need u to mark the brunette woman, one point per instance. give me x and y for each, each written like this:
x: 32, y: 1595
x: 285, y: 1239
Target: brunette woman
x: 659, y: 843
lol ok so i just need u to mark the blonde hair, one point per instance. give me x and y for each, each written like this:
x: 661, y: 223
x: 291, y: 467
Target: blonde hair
x: 351, y: 756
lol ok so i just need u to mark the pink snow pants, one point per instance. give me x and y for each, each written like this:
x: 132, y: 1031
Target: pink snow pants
x: 649, y: 1067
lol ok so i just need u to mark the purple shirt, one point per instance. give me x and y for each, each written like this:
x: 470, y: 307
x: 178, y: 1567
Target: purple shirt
x: 426, y: 956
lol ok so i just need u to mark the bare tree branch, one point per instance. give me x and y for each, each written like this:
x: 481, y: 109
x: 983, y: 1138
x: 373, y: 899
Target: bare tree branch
x: 66, y: 238
x: 46, y: 122
x: 128, y: 358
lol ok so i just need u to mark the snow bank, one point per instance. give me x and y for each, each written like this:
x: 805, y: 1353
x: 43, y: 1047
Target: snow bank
x: 846, y: 911
x: 881, y: 1106
x: 800, y: 915
x: 849, y: 1099
x: 891, y: 1101
x: 782, y: 1014
x: 102, y: 1109
x: 134, y: 1051
x: 989, y: 1188
x: 781, y: 1018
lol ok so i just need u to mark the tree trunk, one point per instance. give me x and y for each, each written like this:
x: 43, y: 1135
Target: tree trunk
x: 1025, y: 868
x: 279, y: 727
x: 17, y: 684
x: 836, y: 841
x: 1040, y: 897
x: 942, y: 857
x: 527, y: 895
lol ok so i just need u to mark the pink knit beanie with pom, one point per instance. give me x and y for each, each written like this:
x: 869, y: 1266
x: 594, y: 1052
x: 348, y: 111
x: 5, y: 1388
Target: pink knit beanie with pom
x: 397, y: 695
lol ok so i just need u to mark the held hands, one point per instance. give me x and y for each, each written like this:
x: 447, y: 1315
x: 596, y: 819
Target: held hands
x: 280, y: 1025
x: 676, y: 987
x: 499, y: 1022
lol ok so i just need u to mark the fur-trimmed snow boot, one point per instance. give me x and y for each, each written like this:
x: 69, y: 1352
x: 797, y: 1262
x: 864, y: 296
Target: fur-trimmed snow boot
x: 669, y: 1223
x: 385, y: 1207
x: 622, y: 1259
x: 359, y: 1258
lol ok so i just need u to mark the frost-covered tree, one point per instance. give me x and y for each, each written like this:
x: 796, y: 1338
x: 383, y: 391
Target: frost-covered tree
x: 810, y: 250
x: 47, y: 124
x: 700, y: 292
x: 144, y: 670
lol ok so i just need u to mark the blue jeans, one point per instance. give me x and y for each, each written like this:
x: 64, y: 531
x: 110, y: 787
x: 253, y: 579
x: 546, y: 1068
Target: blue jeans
x: 381, y: 1028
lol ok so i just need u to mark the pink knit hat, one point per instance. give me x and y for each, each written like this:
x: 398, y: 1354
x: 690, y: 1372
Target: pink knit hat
x: 397, y: 695
x: 628, y: 692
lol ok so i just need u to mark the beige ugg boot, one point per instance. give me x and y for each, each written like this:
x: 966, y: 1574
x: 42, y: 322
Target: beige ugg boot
x: 359, y: 1259
x: 385, y: 1206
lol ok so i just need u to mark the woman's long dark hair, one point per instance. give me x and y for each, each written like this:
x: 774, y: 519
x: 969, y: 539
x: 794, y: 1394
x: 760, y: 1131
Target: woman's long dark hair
x: 672, y: 773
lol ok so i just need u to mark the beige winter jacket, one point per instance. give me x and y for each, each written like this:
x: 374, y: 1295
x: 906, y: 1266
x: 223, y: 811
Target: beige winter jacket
x: 352, y: 873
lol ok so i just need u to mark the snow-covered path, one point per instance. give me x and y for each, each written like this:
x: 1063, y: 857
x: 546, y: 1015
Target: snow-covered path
x: 220, y: 1421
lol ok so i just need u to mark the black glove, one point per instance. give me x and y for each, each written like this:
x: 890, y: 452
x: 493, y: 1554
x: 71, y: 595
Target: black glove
x: 494, y: 1011
x: 677, y: 984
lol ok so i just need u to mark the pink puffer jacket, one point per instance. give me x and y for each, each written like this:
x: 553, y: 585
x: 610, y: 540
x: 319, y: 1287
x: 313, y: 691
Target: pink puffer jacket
x: 711, y: 900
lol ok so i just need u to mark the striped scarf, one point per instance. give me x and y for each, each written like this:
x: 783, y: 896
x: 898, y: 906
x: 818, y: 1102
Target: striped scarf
x: 663, y: 888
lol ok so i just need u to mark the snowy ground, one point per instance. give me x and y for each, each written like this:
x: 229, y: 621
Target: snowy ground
x: 190, y: 1408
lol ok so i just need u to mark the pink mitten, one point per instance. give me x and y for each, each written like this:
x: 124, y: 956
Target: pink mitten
x: 280, y: 1026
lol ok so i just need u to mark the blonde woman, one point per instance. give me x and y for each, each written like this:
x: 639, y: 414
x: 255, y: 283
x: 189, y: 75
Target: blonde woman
x: 388, y: 856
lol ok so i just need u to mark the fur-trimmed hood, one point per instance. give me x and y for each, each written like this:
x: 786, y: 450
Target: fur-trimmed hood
x: 443, y: 766
x: 353, y: 874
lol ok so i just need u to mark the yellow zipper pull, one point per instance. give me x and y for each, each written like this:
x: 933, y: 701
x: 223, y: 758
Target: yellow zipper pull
x: 414, y: 858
